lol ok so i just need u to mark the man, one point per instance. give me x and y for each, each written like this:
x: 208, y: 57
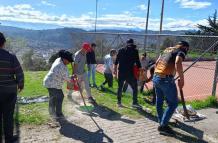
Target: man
x: 108, y: 68
x: 79, y: 69
x: 167, y: 65
x: 126, y: 59
x: 91, y: 62
x: 11, y: 81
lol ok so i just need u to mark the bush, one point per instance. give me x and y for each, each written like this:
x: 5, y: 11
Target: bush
x: 33, y: 64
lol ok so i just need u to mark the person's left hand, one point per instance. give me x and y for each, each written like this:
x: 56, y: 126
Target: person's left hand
x: 20, y: 88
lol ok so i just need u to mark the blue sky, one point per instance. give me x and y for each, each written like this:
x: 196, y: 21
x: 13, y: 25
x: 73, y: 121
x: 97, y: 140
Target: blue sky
x: 119, y: 14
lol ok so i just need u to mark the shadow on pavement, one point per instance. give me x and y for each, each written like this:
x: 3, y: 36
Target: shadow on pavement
x: 182, y: 126
x: 77, y: 133
x: 185, y: 138
x: 109, y: 114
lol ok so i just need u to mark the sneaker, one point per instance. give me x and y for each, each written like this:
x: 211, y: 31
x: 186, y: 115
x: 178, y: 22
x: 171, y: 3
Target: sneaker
x: 119, y: 105
x: 101, y: 88
x: 94, y: 85
x: 165, y: 129
x: 136, y: 106
x: 91, y: 100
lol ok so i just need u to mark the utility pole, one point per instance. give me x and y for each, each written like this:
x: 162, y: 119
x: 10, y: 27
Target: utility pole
x: 146, y: 25
x: 161, y: 18
x: 96, y: 14
x: 160, y: 31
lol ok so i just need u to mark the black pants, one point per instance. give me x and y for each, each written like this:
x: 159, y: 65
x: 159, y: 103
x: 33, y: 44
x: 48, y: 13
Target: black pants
x: 56, y: 97
x: 7, y: 105
x: 125, y: 86
x: 132, y: 82
x: 108, y: 79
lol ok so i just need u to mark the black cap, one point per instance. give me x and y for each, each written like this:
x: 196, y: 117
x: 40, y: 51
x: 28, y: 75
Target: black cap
x: 130, y: 41
x: 93, y: 45
x: 183, y: 43
x: 66, y: 55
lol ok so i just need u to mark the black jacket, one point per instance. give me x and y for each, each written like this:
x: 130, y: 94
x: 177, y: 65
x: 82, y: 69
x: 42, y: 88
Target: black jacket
x: 127, y: 57
x: 90, y: 57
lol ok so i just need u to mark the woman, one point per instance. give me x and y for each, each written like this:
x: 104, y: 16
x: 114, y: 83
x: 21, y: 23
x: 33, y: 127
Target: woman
x: 54, y: 80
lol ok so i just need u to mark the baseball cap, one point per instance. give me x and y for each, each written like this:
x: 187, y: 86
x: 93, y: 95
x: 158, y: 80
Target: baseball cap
x: 86, y: 46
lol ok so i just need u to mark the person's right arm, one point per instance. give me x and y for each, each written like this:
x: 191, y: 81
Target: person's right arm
x: 179, y: 70
x: 116, y: 63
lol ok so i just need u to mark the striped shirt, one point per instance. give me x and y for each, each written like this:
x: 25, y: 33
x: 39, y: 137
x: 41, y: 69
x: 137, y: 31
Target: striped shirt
x: 11, y: 73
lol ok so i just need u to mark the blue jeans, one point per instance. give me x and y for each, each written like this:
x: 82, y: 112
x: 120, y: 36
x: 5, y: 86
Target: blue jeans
x: 165, y: 88
x: 91, y: 71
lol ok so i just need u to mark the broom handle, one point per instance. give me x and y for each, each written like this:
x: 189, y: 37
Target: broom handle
x: 86, y: 105
x: 183, y: 104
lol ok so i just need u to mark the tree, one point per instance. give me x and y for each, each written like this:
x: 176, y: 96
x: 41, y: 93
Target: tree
x: 211, y: 29
x: 168, y: 42
x: 27, y: 60
x: 39, y: 64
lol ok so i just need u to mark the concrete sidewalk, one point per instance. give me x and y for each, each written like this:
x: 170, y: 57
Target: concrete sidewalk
x: 79, y: 127
x: 208, y: 126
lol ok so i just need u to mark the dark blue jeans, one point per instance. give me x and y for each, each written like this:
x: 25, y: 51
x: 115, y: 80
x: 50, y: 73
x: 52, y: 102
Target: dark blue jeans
x: 165, y: 88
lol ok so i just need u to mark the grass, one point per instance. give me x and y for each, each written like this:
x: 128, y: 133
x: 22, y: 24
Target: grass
x: 33, y: 84
x: 210, y: 102
x: 34, y: 114
x: 38, y: 113
x: 109, y: 99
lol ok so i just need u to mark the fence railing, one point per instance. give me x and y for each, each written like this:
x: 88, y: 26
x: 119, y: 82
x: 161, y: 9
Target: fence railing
x: 200, y: 78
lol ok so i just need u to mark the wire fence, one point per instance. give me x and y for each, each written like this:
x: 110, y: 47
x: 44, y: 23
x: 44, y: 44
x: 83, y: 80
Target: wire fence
x: 200, y: 78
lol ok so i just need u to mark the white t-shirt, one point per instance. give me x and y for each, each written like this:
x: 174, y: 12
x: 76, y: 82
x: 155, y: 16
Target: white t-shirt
x: 108, y: 62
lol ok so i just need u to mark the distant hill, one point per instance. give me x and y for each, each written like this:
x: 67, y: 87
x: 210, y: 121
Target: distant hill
x: 58, y: 38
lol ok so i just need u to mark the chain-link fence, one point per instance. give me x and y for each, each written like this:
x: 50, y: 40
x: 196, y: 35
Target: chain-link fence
x: 199, y: 79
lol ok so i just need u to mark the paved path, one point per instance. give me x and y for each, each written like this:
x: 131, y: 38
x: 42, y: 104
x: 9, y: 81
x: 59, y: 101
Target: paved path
x: 116, y: 128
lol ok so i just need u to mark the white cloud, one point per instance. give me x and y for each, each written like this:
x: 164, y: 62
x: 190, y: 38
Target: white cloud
x: 26, y: 13
x: 45, y: 2
x: 193, y: 4
x: 142, y: 7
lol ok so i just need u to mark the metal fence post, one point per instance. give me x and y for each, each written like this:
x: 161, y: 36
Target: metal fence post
x: 215, y: 77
